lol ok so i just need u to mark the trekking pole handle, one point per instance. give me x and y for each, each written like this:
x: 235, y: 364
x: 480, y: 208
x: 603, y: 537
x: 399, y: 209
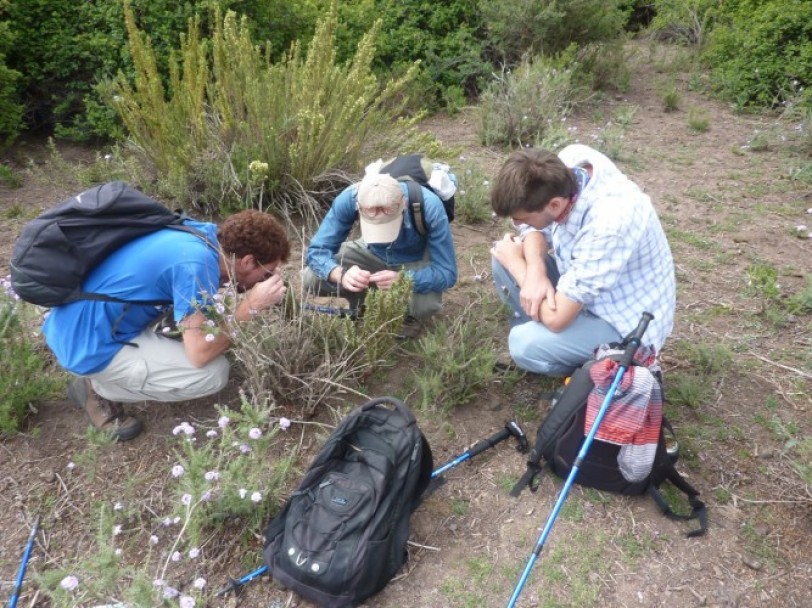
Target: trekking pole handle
x: 632, y: 341
x: 491, y: 441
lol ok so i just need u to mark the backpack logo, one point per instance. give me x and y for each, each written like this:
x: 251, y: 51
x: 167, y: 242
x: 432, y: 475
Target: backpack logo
x: 340, y: 500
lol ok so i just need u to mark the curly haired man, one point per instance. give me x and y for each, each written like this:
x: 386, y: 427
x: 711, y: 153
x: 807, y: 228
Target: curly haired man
x: 112, y: 347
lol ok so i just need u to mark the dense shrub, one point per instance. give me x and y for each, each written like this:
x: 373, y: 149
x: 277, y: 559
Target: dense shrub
x: 447, y: 39
x: 65, y: 49
x: 233, y: 125
x: 683, y: 21
x: 526, y: 106
x: 22, y: 366
x: 10, y: 108
x: 516, y: 27
x: 760, y: 52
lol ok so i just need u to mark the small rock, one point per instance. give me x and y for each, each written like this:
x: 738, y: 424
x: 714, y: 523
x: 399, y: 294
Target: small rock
x: 753, y: 564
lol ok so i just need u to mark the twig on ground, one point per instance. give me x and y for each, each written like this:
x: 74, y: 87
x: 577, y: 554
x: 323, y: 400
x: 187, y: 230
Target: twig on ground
x: 801, y: 373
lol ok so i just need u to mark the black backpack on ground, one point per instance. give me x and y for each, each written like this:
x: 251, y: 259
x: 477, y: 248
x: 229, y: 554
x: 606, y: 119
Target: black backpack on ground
x: 562, y: 433
x: 55, y: 252
x: 414, y: 171
x: 342, y: 535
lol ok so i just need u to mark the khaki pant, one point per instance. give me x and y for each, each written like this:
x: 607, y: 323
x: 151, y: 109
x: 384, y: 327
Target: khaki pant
x: 158, y: 370
x: 355, y: 253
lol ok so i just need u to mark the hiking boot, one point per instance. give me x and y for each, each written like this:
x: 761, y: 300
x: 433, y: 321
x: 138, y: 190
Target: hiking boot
x: 411, y: 328
x: 104, y: 414
x: 504, y: 362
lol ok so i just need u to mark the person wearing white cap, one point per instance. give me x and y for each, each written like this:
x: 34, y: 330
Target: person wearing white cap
x: 389, y: 243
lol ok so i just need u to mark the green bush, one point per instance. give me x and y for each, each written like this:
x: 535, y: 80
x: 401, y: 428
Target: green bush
x: 444, y: 36
x: 683, y: 21
x: 760, y: 52
x: 517, y: 27
x: 11, y: 109
x: 525, y: 106
x: 22, y: 380
x: 233, y: 124
x: 65, y: 49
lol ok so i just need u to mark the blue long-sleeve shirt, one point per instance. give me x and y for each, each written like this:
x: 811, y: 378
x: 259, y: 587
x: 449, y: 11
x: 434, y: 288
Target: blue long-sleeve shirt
x: 439, y: 274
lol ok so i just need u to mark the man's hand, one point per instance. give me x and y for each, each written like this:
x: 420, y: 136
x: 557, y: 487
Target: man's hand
x: 534, y: 292
x: 355, y: 279
x: 383, y: 278
x: 508, y: 250
x: 266, y: 293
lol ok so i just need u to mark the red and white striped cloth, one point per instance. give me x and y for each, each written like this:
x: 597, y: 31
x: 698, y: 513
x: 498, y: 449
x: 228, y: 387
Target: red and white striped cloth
x: 634, y: 417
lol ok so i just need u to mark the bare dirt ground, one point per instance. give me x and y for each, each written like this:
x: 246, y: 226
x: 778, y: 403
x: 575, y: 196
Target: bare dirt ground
x: 727, y: 205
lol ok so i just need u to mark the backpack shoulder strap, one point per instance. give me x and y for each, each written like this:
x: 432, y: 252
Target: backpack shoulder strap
x: 667, y: 471
x: 416, y: 204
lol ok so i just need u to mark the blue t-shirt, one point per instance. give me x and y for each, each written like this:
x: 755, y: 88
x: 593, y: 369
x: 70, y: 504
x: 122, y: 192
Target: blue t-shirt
x: 169, y: 265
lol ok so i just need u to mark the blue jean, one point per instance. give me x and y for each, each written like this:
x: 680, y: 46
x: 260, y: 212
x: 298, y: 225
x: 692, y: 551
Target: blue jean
x: 535, y: 348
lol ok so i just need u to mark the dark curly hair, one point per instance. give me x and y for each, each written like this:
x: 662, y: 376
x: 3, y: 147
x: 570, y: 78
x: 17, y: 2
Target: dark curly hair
x: 529, y: 180
x: 254, y: 233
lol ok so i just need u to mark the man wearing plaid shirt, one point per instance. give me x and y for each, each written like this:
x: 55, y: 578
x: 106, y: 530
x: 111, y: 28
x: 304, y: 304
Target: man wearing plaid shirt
x: 589, y: 258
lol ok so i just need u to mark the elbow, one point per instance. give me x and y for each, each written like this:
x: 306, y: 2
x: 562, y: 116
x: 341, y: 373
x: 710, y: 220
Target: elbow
x: 198, y: 360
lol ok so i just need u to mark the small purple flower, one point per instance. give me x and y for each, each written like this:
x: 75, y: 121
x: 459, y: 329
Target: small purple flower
x: 194, y: 553
x: 170, y: 592
x: 185, y: 428
x: 70, y: 466
x: 167, y: 522
x: 186, y: 500
x: 158, y: 582
x: 211, y: 476
x: 178, y: 471
x: 69, y: 583
x: 245, y: 448
x: 284, y: 423
x: 153, y: 540
x: 187, y: 601
x: 118, y: 506
x: 118, y: 552
x: 116, y: 530
x: 199, y: 583
x: 223, y: 421
x: 255, y: 433
x: 256, y: 496
x: 176, y: 556
x: 211, y: 434
x: 206, y: 496
x: 210, y: 338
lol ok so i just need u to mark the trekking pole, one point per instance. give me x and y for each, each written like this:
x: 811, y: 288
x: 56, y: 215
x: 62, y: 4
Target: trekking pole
x: 18, y: 585
x: 511, y: 429
x: 631, y: 343
x: 236, y: 585
x: 352, y: 313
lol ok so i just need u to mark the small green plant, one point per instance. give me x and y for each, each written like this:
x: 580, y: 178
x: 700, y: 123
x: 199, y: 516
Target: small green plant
x: 687, y: 389
x: 23, y: 380
x: 473, y: 204
x: 762, y: 282
x: 671, y: 97
x: 759, y: 142
x: 698, y: 120
x: 9, y: 178
x: 800, y: 302
x: 457, y: 361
